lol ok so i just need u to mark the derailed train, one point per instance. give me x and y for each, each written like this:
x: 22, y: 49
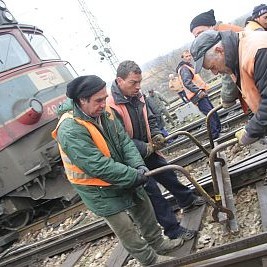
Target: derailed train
x: 33, y: 82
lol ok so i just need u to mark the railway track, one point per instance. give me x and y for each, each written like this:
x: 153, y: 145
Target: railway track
x: 228, y: 120
x: 246, y: 252
x: 253, y: 167
x: 27, y: 255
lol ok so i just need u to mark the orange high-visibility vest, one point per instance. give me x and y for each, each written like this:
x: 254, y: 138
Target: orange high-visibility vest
x: 228, y: 27
x: 197, y: 80
x: 249, y: 44
x: 74, y: 174
x: 123, y: 112
x: 253, y: 26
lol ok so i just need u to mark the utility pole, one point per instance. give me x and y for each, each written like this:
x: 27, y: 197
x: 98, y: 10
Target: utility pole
x: 102, y: 42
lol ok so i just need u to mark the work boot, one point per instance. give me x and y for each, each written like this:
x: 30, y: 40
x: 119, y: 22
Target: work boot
x: 168, y: 245
x: 162, y: 258
x: 197, y: 202
x: 186, y: 234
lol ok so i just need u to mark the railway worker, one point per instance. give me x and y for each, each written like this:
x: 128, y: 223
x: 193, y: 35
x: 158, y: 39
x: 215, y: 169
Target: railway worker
x: 157, y: 103
x: 177, y: 86
x: 129, y: 105
x: 195, y: 89
x: 245, y: 56
x: 159, y: 117
x: 206, y: 21
x: 258, y: 20
x: 104, y: 166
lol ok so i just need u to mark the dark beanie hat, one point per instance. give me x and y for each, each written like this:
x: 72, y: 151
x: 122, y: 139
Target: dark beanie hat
x: 259, y: 11
x: 84, y: 86
x: 203, y: 19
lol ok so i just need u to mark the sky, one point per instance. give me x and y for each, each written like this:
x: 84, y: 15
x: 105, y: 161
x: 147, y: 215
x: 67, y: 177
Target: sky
x: 139, y: 30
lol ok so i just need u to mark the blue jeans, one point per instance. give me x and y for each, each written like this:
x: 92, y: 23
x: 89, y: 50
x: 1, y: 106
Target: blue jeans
x: 183, y: 195
x: 205, y: 106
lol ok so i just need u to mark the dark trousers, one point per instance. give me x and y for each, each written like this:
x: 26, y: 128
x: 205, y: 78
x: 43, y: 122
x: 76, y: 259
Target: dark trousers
x: 163, y: 210
x: 183, y: 96
x: 205, y: 106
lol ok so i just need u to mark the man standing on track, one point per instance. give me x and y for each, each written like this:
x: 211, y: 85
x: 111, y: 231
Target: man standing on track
x: 105, y: 168
x: 130, y: 106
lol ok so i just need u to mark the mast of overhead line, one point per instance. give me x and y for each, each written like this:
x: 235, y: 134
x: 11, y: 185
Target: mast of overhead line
x: 102, y: 42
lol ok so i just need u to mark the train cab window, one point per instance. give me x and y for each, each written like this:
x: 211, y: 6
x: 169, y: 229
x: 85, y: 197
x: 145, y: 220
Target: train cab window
x: 11, y: 53
x: 41, y: 46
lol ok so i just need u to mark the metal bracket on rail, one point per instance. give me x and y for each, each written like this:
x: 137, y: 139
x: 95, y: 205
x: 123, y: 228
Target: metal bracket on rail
x: 217, y: 193
x: 208, y: 123
x: 216, y: 206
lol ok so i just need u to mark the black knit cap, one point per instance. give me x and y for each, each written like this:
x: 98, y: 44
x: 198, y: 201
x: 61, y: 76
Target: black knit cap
x: 203, y: 19
x: 84, y: 86
x: 259, y: 11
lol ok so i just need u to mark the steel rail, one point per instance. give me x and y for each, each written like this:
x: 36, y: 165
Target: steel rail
x: 27, y: 255
x: 222, y: 113
x: 256, y: 245
x: 200, y: 133
x: 196, y: 154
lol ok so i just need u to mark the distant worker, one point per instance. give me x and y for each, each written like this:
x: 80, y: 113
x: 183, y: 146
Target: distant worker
x: 206, y: 21
x: 258, y: 20
x: 245, y: 56
x: 105, y: 168
x: 195, y: 89
x: 130, y: 106
x: 176, y: 85
x: 159, y: 117
x: 158, y: 103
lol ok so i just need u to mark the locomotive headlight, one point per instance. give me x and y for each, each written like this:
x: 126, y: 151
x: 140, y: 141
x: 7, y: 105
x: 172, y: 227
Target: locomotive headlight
x: 28, y: 111
x: 36, y: 105
x: 8, y: 16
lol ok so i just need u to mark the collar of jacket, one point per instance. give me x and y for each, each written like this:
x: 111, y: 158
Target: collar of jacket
x: 119, y: 98
x: 184, y: 63
x: 78, y: 113
x: 230, y: 42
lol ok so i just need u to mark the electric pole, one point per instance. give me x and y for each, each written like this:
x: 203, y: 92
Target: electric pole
x: 102, y: 42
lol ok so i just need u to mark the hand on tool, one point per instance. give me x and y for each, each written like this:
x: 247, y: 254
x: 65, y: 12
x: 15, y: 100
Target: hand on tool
x: 150, y: 148
x: 158, y: 141
x: 142, y: 169
x: 141, y: 178
x: 201, y: 94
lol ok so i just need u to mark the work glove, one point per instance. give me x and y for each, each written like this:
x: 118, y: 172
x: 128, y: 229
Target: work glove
x: 142, y: 169
x: 227, y: 104
x: 149, y: 149
x: 244, y: 138
x: 158, y: 141
x: 201, y: 94
x: 141, y: 179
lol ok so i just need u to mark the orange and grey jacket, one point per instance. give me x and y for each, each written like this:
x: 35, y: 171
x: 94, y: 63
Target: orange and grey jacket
x: 253, y: 26
x: 228, y: 27
x: 74, y: 174
x: 136, y: 117
x: 246, y: 56
x: 195, y: 79
x: 248, y: 47
x: 125, y: 116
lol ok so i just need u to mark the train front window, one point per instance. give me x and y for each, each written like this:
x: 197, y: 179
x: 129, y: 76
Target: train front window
x: 11, y: 53
x: 41, y: 46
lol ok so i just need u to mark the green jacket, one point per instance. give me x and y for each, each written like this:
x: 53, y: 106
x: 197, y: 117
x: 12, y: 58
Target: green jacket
x: 118, y: 170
